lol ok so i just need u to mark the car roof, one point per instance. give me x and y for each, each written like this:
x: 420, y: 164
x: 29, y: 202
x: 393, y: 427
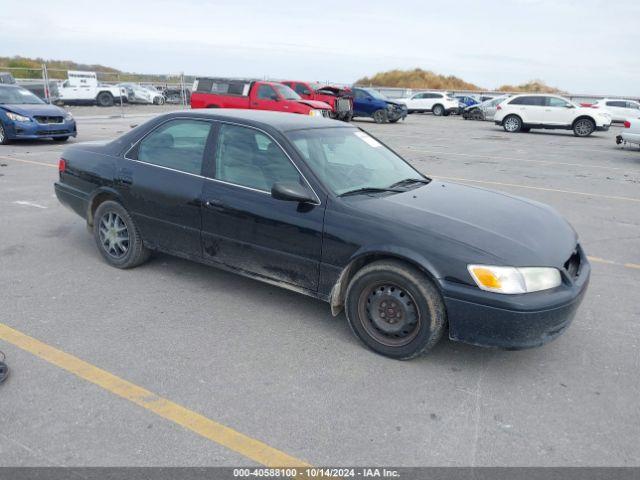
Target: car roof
x: 281, y: 121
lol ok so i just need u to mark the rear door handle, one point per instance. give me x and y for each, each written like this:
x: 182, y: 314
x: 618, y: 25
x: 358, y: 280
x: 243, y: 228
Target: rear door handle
x: 124, y: 180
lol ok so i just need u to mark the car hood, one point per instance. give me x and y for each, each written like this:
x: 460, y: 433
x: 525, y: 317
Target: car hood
x: 396, y: 102
x: 315, y: 104
x: 43, y: 109
x: 511, y: 229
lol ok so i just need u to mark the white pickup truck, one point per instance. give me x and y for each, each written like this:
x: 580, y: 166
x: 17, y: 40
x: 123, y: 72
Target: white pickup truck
x: 83, y: 87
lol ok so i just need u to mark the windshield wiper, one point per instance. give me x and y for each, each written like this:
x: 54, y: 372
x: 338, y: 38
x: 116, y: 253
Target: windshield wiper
x: 358, y: 191
x: 409, y: 181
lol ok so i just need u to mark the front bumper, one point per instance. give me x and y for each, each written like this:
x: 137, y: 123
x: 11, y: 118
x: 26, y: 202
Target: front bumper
x: 34, y: 130
x: 513, y: 321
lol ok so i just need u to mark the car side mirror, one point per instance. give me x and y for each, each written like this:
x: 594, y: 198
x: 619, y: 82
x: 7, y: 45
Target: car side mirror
x: 291, y: 192
x: 568, y: 105
x: 275, y: 98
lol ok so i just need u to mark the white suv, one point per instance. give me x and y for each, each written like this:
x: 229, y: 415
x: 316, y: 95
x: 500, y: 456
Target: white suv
x: 440, y: 103
x: 620, y: 110
x: 521, y: 113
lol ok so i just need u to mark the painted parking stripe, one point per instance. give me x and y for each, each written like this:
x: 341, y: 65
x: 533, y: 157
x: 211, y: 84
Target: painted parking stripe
x: 546, y: 189
x: 635, y: 266
x: 511, y: 159
x: 28, y: 161
x: 238, y: 442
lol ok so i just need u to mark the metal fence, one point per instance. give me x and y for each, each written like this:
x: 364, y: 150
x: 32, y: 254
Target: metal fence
x: 45, y: 82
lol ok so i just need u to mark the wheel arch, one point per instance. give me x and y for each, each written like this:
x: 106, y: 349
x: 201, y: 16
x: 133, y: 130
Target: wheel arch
x: 583, y: 116
x: 101, y: 195
x: 365, y: 257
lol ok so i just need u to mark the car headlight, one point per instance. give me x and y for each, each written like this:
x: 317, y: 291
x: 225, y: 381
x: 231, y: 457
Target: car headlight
x: 315, y: 113
x: 68, y: 117
x: 511, y: 280
x: 17, y: 118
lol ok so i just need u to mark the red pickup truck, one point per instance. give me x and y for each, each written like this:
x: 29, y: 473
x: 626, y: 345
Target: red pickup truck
x: 340, y: 99
x: 257, y: 95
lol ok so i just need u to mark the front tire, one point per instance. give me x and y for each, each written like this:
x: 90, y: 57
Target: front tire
x: 60, y: 139
x: 4, y: 138
x: 395, y: 309
x: 380, y: 116
x: 438, y: 110
x: 583, y: 127
x: 117, y: 236
x: 512, y: 124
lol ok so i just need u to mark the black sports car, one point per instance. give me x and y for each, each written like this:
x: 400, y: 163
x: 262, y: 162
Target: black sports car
x: 323, y: 208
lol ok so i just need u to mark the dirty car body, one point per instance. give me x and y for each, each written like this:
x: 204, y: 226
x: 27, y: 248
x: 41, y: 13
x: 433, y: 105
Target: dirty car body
x: 274, y: 214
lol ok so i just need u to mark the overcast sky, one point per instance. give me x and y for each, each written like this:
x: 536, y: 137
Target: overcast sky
x: 582, y: 46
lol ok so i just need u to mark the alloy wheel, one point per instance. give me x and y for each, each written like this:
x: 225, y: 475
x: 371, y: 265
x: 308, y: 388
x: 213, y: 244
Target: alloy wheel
x: 511, y: 124
x: 584, y: 127
x: 114, y: 235
x: 2, y: 134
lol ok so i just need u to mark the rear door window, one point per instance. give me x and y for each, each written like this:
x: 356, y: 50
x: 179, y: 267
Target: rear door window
x: 531, y: 101
x: 178, y: 144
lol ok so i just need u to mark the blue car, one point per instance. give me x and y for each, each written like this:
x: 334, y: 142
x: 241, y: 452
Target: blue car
x: 368, y: 102
x: 24, y: 116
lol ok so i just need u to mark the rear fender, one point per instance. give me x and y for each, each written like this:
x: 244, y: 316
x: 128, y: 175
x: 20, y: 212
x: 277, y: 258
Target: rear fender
x: 100, y: 195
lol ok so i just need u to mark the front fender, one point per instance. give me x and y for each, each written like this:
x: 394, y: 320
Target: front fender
x: 371, y: 253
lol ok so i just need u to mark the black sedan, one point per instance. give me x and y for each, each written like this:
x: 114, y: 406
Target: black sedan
x: 320, y: 207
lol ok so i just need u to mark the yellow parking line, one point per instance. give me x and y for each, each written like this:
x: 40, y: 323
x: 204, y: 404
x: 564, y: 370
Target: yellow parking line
x: 611, y: 262
x: 572, y: 192
x: 29, y: 161
x: 209, y: 429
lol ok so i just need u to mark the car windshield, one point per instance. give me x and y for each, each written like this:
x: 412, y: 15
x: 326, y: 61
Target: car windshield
x: 348, y: 159
x: 17, y: 96
x: 375, y: 93
x: 286, y: 92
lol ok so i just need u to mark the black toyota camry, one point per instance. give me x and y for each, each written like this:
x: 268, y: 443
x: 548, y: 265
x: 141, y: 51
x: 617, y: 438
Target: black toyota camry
x: 323, y: 208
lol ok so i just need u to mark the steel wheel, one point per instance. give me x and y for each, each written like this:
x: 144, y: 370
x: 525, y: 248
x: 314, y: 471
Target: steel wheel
x: 114, y: 235
x: 389, y: 314
x: 512, y: 124
x: 583, y: 127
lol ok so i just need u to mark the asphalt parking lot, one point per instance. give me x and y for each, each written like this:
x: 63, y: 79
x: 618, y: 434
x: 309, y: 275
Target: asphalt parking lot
x: 278, y: 368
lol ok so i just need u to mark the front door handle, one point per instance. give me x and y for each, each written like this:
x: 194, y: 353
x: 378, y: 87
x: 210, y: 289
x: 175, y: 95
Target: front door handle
x: 214, y: 204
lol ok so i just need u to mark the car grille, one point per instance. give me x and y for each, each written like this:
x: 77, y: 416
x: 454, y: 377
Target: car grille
x: 48, y: 120
x: 326, y: 113
x: 343, y: 105
x: 572, y: 266
x: 46, y: 133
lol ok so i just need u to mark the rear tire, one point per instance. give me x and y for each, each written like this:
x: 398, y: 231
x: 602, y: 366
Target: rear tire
x: 104, y: 99
x: 583, y: 127
x: 380, y: 116
x: 438, y: 110
x: 512, y: 124
x: 395, y: 309
x: 117, y: 236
